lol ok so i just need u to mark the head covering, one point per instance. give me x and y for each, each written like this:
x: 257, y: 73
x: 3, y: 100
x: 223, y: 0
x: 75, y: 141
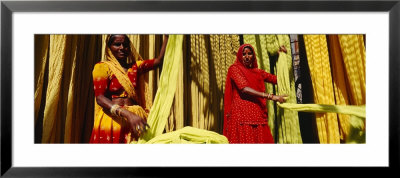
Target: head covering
x: 253, y: 76
x: 119, y: 71
x: 239, y: 56
x: 133, y: 56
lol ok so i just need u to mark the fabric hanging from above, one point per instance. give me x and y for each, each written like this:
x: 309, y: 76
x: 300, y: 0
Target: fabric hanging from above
x: 160, y: 111
x: 320, y: 71
x: 209, y: 57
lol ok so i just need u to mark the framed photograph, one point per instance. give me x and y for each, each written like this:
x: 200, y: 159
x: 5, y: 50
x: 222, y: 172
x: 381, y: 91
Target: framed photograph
x: 25, y: 152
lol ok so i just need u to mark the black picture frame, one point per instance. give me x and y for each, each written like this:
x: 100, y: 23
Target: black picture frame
x: 8, y: 7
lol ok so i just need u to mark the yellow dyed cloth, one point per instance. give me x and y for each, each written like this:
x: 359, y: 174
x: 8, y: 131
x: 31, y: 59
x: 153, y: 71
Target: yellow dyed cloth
x: 356, y: 121
x: 161, y: 108
x: 317, y: 52
x: 289, y: 130
x: 358, y: 111
x: 189, y: 135
x: 320, y: 72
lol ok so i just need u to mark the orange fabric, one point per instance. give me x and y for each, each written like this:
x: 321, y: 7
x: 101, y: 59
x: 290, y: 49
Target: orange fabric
x: 110, y: 129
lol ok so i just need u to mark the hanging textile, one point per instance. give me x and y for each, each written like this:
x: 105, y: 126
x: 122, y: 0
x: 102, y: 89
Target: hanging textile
x: 160, y: 110
x: 290, y: 128
x: 353, y: 52
x: 176, y: 118
x: 41, y: 80
x: 347, y: 54
x: 41, y: 59
x: 210, y: 57
x: 340, y: 84
x: 286, y: 126
x: 320, y: 71
x: 159, y: 113
x: 68, y: 111
x: 354, y: 57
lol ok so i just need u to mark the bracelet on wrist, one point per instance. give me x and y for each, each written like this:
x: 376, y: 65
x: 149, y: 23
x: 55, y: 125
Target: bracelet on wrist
x: 119, y: 111
x: 271, y: 96
x: 114, y: 108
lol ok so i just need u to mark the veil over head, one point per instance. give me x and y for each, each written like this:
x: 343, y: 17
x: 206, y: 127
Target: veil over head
x: 253, y: 76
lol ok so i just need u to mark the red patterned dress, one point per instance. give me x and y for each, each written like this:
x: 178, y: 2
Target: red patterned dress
x: 245, y: 116
x: 107, y: 128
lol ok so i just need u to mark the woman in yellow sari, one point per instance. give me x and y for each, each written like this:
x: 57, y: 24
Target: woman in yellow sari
x: 122, y: 117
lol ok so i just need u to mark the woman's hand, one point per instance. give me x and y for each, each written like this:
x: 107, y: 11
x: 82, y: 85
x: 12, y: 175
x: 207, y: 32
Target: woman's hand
x: 136, y: 124
x: 279, y: 98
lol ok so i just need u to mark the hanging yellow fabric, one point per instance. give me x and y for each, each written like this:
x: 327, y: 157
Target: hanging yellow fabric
x: 160, y: 110
x: 287, y: 123
x: 65, y: 119
x: 340, y: 83
x: 78, y: 107
x: 210, y: 57
x: 320, y: 71
x: 353, y: 51
x: 289, y: 119
x: 41, y: 59
x: 52, y: 125
x: 176, y: 117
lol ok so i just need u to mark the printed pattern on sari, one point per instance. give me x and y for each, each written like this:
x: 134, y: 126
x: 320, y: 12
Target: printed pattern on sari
x: 107, y: 127
x: 246, y: 116
x: 105, y: 83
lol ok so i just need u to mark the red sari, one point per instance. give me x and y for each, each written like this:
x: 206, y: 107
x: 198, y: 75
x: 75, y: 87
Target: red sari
x: 245, y: 116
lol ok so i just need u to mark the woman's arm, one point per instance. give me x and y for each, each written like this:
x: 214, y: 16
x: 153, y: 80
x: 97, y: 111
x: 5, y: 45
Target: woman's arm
x: 252, y: 92
x: 158, y: 60
x: 133, y: 120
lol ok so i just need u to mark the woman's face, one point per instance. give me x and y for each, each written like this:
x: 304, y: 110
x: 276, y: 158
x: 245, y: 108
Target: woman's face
x: 247, y: 57
x: 120, y: 47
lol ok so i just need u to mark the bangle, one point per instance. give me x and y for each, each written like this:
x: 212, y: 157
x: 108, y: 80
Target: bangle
x: 114, y: 109
x: 270, y: 96
x: 263, y: 95
x: 119, y: 111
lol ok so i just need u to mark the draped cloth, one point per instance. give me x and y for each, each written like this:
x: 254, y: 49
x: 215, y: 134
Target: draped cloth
x: 208, y: 60
x: 245, y: 116
x: 320, y: 71
x: 160, y: 111
x: 161, y: 108
x: 335, y: 93
x: 63, y: 94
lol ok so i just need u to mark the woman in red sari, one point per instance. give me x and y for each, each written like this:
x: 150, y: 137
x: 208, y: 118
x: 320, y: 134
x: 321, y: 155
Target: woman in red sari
x: 245, y: 110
